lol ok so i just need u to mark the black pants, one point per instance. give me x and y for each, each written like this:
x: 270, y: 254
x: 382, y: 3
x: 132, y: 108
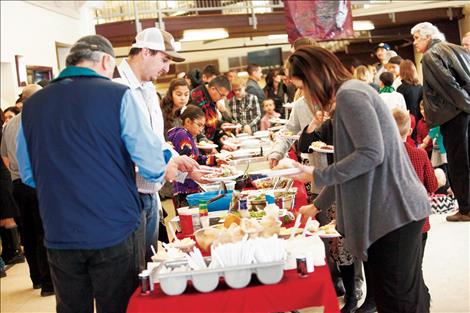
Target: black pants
x: 33, y: 234
x: 456, y: 134
x: 107, y: 275
x: 395, y: 264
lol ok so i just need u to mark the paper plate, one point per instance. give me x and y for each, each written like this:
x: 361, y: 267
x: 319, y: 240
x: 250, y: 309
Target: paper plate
x: 208, y: 146
x: 224, y: 178
x: 322, y: 150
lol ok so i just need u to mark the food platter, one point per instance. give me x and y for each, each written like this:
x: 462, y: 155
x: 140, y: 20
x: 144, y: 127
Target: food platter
x: 275, y: 128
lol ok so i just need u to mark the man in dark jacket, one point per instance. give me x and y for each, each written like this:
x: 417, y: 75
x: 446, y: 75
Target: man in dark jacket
x: 446, y: 93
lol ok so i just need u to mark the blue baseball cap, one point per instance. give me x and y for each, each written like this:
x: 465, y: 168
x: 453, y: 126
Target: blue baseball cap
x: 382, y: 45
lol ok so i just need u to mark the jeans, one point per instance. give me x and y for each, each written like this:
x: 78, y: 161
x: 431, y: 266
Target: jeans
x: 150, y: 218
x: 33, y: 234
x: 107, y: 275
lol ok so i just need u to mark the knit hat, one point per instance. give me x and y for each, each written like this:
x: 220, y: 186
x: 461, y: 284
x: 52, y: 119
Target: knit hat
x: 158, y: 40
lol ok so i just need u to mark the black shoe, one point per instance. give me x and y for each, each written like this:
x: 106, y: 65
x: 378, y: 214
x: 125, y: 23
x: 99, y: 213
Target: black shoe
x: 18, y: 257
x: 47, y: 291
x: 367, y: 307
x: 37, y: 286
x: 3, y: 273
x: 350, y: 306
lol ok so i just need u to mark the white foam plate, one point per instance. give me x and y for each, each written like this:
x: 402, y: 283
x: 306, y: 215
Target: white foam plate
x: 322, y: 150
x: 274, y: 128
x: 283, y: 172
x: 208, y: 146
x: 262, y: 134
x: 224, y: 178
x: 278, y: 121
x: 233, y: 126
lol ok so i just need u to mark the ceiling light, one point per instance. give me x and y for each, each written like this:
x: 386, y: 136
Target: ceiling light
x: 278, y: 37
x: 363, y: 25
x: 204, y: 34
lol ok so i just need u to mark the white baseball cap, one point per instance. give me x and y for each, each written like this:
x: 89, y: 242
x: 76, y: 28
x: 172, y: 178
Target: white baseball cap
x: 159, y: 40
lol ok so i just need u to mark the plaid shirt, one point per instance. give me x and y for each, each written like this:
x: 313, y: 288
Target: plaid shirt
x: 423, y: 168
x: 246, y: 111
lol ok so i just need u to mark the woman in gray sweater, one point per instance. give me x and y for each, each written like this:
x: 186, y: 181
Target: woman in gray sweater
x: 381, y: 205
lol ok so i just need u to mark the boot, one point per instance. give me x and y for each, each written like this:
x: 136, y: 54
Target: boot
x: 12, y: 252
x: 350, y: 305
x: 368, y: 306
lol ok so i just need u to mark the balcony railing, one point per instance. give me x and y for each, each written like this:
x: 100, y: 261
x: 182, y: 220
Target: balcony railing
x: 115, y: 11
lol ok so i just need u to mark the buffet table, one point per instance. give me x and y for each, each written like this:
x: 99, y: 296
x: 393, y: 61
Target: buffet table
x: 292, y: 293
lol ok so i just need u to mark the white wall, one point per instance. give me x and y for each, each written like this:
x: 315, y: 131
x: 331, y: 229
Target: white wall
x: 31, y: 31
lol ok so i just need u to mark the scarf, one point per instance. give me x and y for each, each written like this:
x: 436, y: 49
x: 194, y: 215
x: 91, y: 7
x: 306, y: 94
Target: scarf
x: 387, y: 89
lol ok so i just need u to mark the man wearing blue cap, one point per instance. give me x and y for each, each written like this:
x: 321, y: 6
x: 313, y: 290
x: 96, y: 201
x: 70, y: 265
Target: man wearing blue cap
x: 380, y: 53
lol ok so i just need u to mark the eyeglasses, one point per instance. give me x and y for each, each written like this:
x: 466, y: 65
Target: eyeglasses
x: 200, y: 125
x: 220, y: 94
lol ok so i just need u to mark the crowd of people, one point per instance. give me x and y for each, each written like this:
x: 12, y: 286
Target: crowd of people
x: 87, y: 158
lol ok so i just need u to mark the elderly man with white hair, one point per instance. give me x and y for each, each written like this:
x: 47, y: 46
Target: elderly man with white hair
x: 446, y: 93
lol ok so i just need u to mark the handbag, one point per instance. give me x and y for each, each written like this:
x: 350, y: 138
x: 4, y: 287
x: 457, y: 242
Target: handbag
x: 442, y: 204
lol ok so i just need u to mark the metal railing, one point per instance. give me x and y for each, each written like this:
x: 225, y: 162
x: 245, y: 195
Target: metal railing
x: 114, y: 11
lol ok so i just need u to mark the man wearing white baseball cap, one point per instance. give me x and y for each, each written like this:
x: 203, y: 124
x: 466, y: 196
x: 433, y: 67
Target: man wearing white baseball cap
x: 149, y: 57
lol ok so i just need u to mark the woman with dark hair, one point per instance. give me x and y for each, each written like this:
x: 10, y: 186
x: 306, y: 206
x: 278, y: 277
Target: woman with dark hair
x: 275, y: 89
x: 175, y: 99
x: 381, y: 204
x: 193, y: 120
x: 10, y: 113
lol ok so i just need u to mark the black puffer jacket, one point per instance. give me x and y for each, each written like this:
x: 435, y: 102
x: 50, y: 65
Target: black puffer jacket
x: 446, y: 86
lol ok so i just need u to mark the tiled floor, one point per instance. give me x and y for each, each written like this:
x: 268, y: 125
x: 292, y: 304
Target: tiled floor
x: 446, y: 268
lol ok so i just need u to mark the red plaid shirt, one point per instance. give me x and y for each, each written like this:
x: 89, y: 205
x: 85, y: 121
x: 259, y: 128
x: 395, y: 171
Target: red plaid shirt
x: 420, y: 161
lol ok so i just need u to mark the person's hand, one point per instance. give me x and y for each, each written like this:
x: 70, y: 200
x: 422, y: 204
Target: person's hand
x: 220, y: 106
x: 273, y: 162
x: 183, y: 163
x: 247, y: 129
x: 198, y: 177
x: 309, y: 210
x: 306, y: 174
x: 229, y: 147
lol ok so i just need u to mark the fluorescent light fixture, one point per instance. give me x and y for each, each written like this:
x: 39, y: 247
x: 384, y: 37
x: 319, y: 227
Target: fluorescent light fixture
x: 177, y: 45
x: 278, y: 37
x: 363, y: 25
x: 204, y: 34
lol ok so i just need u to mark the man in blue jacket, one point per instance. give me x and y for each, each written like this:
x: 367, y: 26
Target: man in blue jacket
x: 79, y: 142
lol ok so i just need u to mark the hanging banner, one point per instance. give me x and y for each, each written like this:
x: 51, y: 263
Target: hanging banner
x: 318, y: 19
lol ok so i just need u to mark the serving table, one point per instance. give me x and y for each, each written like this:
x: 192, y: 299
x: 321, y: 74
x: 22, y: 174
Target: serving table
x: 292, y: 293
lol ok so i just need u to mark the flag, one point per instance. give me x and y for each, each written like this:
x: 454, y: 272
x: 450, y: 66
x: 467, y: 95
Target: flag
x: 318, y: 19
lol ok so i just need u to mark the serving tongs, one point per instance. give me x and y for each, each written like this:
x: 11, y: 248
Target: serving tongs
x: 220, y: 196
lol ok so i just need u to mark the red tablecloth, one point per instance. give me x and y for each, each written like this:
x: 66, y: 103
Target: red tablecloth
x: 291, y: 293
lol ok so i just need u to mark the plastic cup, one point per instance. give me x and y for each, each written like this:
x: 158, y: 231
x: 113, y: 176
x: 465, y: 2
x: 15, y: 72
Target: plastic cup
x: 186, y: 221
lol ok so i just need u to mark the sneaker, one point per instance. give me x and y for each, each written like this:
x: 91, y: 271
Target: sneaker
x: 458, y: 217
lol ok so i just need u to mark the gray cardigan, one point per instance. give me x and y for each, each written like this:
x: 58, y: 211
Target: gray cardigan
x: 372, y: 180
x: 300, y: 117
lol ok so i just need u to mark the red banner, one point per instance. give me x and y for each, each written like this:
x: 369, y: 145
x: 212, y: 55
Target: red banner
x: 318, y: 19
